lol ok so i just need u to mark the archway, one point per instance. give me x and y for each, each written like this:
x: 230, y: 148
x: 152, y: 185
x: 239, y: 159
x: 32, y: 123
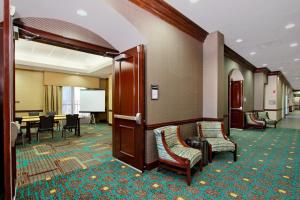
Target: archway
x: 235, y: 99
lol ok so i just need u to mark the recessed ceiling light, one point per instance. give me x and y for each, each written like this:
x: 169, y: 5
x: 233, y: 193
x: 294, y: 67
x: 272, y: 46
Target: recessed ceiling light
x: 194, y: 1
x: 239, y: 40
x: 81, y: 12
x: 290, y: 25
x: 264, y: 65
x: 294, y: 44
x: 252, y: 53
x: 297, y: 59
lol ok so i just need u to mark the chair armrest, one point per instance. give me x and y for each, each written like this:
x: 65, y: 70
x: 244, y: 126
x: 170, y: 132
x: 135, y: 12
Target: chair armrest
x: 181, y: 160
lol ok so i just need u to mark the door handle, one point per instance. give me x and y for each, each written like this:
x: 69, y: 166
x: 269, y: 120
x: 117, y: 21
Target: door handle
x: 137, y: 118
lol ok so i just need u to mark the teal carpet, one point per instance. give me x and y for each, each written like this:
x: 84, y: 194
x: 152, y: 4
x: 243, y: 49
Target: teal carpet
x: 267, y: 168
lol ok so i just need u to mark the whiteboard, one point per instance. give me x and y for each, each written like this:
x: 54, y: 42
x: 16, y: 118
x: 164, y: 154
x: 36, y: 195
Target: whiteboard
x: 92, y: 101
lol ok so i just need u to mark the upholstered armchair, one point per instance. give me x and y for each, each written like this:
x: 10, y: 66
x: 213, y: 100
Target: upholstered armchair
x: 174, y: 154
x: 215, y: 135
x: 264, y: 116
x: 252, y: 121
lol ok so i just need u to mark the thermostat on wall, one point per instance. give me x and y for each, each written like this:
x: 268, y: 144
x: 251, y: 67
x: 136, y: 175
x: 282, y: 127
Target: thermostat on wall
x: 154, y: 92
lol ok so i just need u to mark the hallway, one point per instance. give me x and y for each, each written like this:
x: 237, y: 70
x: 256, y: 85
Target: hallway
x: 291, y: 121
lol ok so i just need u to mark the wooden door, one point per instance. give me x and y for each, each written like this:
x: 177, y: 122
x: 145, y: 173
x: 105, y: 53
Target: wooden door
x: 128, y: 108
x: 8, y: 174
x: 236, y: 104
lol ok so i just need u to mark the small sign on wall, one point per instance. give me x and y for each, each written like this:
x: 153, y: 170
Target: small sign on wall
x: 154, y: 92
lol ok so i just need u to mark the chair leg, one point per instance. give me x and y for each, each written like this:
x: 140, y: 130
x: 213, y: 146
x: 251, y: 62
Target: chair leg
x: 188, y: 175
x: 235, y: 153
x: 210, y: 154
x: 201, y: 166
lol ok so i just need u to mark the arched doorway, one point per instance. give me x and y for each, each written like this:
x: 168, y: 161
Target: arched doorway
x: 235, y: 99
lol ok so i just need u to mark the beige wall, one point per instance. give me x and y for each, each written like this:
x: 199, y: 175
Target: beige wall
x: 213, y: 76
x: 174, y: 63
x: 60, y: 79
x: 260, y: 79
x: 30, y: 87
x: 29, y: 90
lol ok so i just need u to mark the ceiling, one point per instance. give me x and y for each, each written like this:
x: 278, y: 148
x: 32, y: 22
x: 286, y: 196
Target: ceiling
x: 101, y: 19
x: 261, y: 26
x: 64, y: 29
x: 39, y: 56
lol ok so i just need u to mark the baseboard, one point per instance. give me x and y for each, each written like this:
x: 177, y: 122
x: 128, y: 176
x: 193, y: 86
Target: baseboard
x: 152, y: 165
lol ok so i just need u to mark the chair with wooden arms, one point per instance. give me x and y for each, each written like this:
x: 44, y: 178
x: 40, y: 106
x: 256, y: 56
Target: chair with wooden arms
x: 264, y: 116
x: 45, y: 125
x: 253, y: 122
x: 174, y: 154
x: 55, y: 122
x: 216, y: 137
x: 71, y: 123
x: 20, y: 132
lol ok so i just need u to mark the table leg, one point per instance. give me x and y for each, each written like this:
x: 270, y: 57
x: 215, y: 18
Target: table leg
x: 78, y: 121
x: 28, y: 131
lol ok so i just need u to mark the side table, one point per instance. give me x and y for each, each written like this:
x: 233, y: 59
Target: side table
x: 201, y: 144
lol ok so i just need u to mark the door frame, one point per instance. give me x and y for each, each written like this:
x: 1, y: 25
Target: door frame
x: 229, y: 99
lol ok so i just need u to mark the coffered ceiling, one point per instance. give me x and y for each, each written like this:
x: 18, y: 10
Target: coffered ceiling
x: 39, y: 56
x: 266, y: 32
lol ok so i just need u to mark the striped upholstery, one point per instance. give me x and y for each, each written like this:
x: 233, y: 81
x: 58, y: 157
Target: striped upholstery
x: 220, y: 144
x: 252, y: 120
x: 210, y: 129
x: 212, y: 132
x: 174, y: 145
x: 263, y: 116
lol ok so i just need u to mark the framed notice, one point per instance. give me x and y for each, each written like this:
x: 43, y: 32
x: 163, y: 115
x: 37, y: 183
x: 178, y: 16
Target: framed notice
x: 154, y: 92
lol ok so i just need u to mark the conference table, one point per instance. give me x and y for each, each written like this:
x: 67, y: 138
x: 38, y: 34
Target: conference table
x: 29, y: 120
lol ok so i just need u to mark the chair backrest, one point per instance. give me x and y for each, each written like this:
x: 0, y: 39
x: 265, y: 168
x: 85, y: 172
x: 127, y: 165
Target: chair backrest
x: 209, y: 129
x: 72, y: 120
x: 262, y: 115
x: 14, y: 132
x: 33, y: 113
x: 46, y: 122
x: 19, y: 120
x: 170, y: 134
x: 51, y: 113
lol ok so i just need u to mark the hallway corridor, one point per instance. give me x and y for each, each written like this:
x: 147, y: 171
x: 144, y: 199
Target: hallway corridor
x: 291, y: 121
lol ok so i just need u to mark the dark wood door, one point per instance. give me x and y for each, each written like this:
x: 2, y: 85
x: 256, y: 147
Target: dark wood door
x: 128, y: 108
x: 8, y: 174
x: 236, y: 104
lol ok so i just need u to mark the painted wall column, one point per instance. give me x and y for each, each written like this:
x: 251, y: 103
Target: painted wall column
x: 213, y: 76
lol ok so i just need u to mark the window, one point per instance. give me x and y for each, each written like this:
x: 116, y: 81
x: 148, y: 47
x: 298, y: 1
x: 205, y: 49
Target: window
x: 71, y: 100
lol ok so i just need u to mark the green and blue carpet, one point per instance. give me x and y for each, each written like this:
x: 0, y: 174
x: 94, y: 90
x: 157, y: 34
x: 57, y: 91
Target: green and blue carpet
x: 267, y: 168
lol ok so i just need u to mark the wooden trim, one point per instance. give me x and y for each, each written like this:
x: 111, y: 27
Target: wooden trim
x: 23, y: 111
x: 212, y: 119
x: 228, y: 52
x: 279, y: 109
x: 60, y: 41
x: 180, y: 122
x: 262, y: 70
x: 172, y: 16
x: 6, y: 80
x: 152, y: 165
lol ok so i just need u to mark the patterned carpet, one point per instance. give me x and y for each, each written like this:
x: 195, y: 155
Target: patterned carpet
x: 267, y: 168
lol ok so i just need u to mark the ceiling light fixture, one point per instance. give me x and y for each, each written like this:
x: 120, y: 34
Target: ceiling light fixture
x: 264, y: 65
x: 294, y: 44
x: 297, y: 59
x: 81, y: 12
x: 290, y: 25
x: 252, y: 53
x: 239, y: 40
x: 194, y: 1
